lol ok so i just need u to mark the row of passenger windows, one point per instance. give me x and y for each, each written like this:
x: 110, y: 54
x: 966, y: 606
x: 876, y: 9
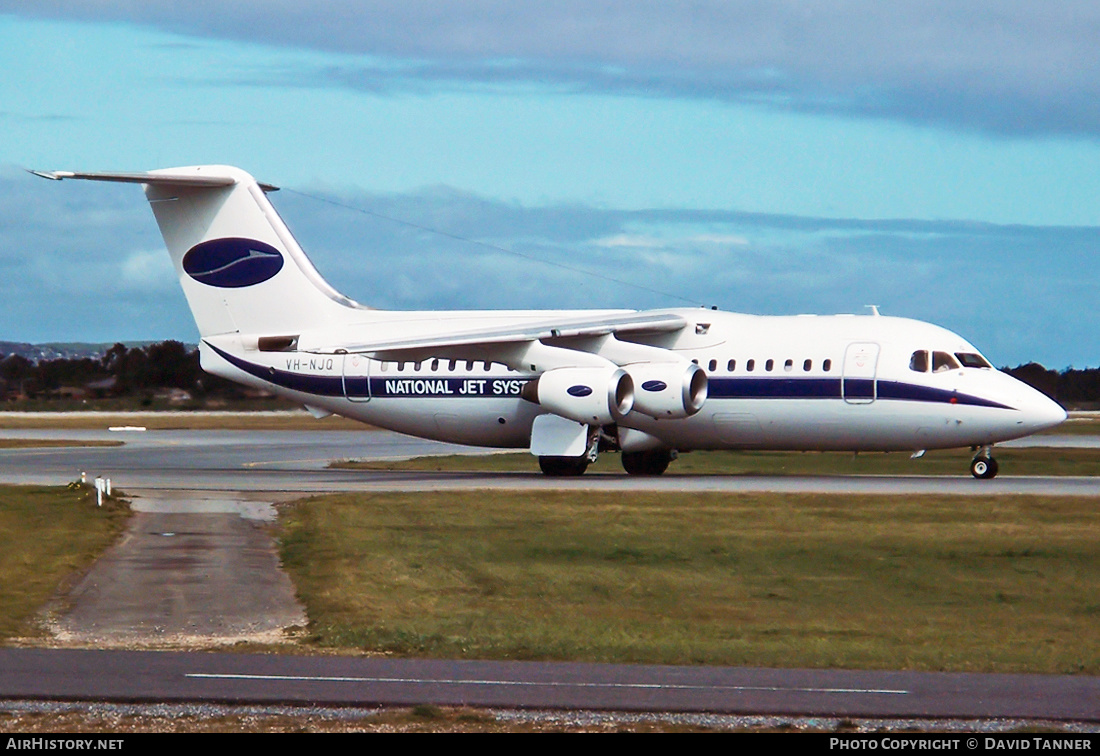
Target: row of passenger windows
x: 920, y: 362
x: 434, y: 365
x: 749, y: 366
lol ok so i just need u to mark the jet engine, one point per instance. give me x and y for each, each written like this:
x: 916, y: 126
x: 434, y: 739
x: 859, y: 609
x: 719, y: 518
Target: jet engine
x: 668, y: 390
x: 590, y: 395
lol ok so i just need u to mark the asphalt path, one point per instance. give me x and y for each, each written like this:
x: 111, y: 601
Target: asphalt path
x: 297, y: 462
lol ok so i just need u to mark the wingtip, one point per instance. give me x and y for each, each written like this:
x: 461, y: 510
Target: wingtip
x: 51, y: 175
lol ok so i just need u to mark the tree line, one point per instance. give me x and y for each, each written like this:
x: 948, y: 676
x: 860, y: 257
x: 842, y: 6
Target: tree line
x: 1073, y: 389
x: 139, y: 371
x: 120, y: 372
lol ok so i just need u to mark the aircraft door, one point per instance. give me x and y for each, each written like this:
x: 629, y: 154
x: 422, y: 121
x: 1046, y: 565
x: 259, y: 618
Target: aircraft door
x: 355, y: 377
x: 858, y: 384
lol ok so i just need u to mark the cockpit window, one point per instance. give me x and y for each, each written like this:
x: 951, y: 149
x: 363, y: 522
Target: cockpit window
x: 942, y: 361
x: 971, y: 360
x: 919, y: 361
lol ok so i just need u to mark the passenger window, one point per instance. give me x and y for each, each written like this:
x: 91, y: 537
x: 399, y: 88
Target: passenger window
x: 416, y: 366
x: 400, y: 366
x: 452, y: 365
x: 731, y: 366
x: 807, y: 366
x: 435, y: 365
x: 469, y: 366
x: 827, y: 365
x: 919, y: 361
x: 769, y: 365
x: 713, y: 366
x: 942, y: 362
x: 750, y: 365
x: 788, y: 366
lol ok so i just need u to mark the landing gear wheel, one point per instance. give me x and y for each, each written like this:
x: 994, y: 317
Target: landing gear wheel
x: 563, y: 467
x: 652, y: 462
x: 983, y: 468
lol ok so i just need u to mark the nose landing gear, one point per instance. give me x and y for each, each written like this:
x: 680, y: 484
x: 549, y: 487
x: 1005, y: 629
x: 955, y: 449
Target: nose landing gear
x: 983, y: 466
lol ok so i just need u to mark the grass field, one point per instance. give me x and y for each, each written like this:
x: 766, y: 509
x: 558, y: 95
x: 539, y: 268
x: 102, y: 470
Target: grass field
x: 1022, y: 461
x: 47, y: 537
x: 901, y: 582
x: 891, y: 582
x: 37, y: 443
x: 1079, y: 423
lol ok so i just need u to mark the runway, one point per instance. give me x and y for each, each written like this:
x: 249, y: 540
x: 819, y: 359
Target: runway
x: 159, y: 462
x: 296, y: 461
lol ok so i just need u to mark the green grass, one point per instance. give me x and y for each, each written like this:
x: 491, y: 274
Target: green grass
x: 1078, y: 423
x: 1022, y: 461
x: 47, y: 537
x: 901, y: 582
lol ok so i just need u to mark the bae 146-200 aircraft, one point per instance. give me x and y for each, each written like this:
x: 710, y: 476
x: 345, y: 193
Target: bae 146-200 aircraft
x: 568, y: 384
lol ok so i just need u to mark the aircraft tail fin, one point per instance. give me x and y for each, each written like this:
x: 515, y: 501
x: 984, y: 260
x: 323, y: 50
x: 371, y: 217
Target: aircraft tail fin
x: 240, y: 267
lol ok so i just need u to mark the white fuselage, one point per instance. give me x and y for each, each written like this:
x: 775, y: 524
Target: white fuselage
x: 802, y: 382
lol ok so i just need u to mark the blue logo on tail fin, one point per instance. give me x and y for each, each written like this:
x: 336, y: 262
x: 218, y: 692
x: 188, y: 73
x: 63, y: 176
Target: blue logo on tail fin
x: 232, y: 263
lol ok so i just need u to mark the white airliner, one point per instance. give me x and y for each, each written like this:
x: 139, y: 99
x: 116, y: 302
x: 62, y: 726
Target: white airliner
x: 568, y: 384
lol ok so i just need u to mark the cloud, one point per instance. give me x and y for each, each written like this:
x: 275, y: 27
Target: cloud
x: 653, y: 242
x: 149, y: 270
x: 1005, y: 287
x: 1010, y: 68
x: 78, y: 263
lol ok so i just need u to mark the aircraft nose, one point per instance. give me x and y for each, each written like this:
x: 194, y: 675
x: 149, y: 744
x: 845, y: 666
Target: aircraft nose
x: 1041, y: 412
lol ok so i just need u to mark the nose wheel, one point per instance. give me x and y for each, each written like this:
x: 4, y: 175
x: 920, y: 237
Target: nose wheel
x: 983, y: 466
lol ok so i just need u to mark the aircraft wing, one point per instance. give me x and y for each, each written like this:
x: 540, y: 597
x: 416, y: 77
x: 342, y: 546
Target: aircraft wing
x: 482, y: 340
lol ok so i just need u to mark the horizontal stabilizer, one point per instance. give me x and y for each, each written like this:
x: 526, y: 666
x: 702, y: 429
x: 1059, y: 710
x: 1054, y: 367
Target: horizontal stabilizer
x: 153, y: 179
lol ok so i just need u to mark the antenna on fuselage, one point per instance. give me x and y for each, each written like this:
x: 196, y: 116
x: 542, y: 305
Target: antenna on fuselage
x: 874, y: 310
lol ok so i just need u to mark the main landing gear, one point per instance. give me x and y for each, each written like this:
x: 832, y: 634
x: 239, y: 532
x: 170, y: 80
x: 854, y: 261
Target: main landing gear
x: 648, y: 462
x: 571, y: 467
x: 983, y: 466
x: 651, y: 462
x: 563, y: 467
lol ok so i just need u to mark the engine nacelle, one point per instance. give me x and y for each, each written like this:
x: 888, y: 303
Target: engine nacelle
x: 590, y: 395
x: 668, y: 390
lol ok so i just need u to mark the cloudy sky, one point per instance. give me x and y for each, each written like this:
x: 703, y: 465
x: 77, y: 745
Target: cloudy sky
x: 938, y: 159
